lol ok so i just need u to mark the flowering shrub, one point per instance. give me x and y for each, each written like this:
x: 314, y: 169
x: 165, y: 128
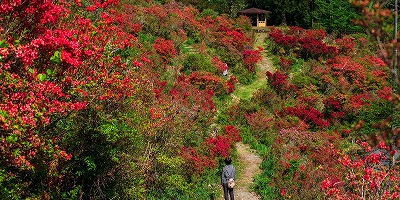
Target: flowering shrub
x: 165, y: 48
x: 219, y: 65
x: 231, y: 133
x: 219, y: 145
x: 278, y: 81
x: 365, y: 177
x: 302, y: 160
x: 259, y: 121
x: 307, y: 42
x: 333, y: 108
x: 208, y: 81
x: 285, y: 63
x: 216, y: 147
x: 251, y: 57
x: 230, y: 84
x: 349, y: 69
x: 316, y: 47
x: 309, y: 115
x: 195, y: 160
x: 287, y: 41
x: 346, y: 45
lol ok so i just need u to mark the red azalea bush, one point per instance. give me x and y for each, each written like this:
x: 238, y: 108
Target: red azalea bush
x: 165, y: 48
x: 352, y: 71
x: 309, y: 115
x: 219, y: 65
x: 287, y: 41
x: 333, y: 108
x: 346, y: 45
x: 251, y: 58
x: 208, y: 81
x: 307, y: 42
x: 195, y: 160
x: 367, y: 176
x: 82, y: 95
x: 280, y: 83
x: 303, y: 159
x: 316, y: 47
x: 259, y: 121
x: 231, y: 133
x: 285, y: 63
x: 213, y: 147
x: 230, y: 84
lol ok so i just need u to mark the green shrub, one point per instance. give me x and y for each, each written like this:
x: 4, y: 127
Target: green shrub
x: 197, y: 62
x: 374, y: 114
x: 243, y: 75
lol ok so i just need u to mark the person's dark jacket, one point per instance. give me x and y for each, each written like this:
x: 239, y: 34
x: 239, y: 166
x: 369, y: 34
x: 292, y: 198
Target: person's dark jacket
x: 227, y: 172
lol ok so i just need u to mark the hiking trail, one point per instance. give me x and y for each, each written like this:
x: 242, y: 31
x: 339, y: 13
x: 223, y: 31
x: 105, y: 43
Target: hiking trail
x: 249, y: 161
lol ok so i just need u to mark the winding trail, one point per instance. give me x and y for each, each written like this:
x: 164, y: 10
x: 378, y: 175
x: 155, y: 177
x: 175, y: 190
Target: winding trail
x: 249, y: 161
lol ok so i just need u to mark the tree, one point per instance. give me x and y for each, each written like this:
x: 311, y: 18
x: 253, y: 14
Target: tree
x: 230, y: 7
x: 335, y: 16
x: 328, y: 14
x: 286, y: 12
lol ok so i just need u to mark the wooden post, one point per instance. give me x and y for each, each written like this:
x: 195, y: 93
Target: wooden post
x: 265, y: 19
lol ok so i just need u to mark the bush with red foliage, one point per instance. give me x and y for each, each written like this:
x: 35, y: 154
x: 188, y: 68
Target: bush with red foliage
x: 350, y: 70
x: 208, y: 81
x: 309, y: 115
x: 251, y: 58
x: 285, y: 63
x: 366, y: 176
x: 287, y: 41
x: 346, y: 45
x: 219, y: 65
x: 212, y: 148
x: 333, y: 109
x: 279, y: 82
x: 165, y: 48
x: 230, y: 84
x: 231, y: 133
x: 303, y: 159
x: 259, y: 121
x: 316, y: 47
x: 196, y: 161
x: 309, y: 43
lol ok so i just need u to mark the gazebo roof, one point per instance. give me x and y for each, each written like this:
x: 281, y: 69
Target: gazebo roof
x: 254, y: 11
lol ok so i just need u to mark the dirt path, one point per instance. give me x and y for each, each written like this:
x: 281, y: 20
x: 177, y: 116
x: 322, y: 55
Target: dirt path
x: 249, y: 160
x: 250, y: 168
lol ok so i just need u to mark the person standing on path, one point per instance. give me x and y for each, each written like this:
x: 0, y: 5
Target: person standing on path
x: 228, y: 172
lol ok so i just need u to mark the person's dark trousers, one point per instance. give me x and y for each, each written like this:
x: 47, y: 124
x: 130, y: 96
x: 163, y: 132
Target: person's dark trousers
x: 226, y: 191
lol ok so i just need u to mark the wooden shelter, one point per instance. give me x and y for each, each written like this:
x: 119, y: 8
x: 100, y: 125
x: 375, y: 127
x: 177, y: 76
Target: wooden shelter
x: 258, y: 16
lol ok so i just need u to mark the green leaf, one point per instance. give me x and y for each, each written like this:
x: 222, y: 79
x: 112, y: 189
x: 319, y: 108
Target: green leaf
x: 12, y: 139
x: 56, y: 58
x: 41, y: 77
x: 15, y: 152
x: 16, y: 42
x: 49, y: 72
x: 3, y: 44
x: 30, y: 70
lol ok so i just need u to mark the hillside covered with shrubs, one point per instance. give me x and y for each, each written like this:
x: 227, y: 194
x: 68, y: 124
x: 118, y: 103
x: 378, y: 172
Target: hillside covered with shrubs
x: 129, y: 99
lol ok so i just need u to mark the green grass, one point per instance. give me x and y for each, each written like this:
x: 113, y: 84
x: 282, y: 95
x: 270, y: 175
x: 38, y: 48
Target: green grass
x: 245, y: 92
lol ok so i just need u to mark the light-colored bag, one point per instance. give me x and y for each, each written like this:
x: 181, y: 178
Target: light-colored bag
x: 231, y: 183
